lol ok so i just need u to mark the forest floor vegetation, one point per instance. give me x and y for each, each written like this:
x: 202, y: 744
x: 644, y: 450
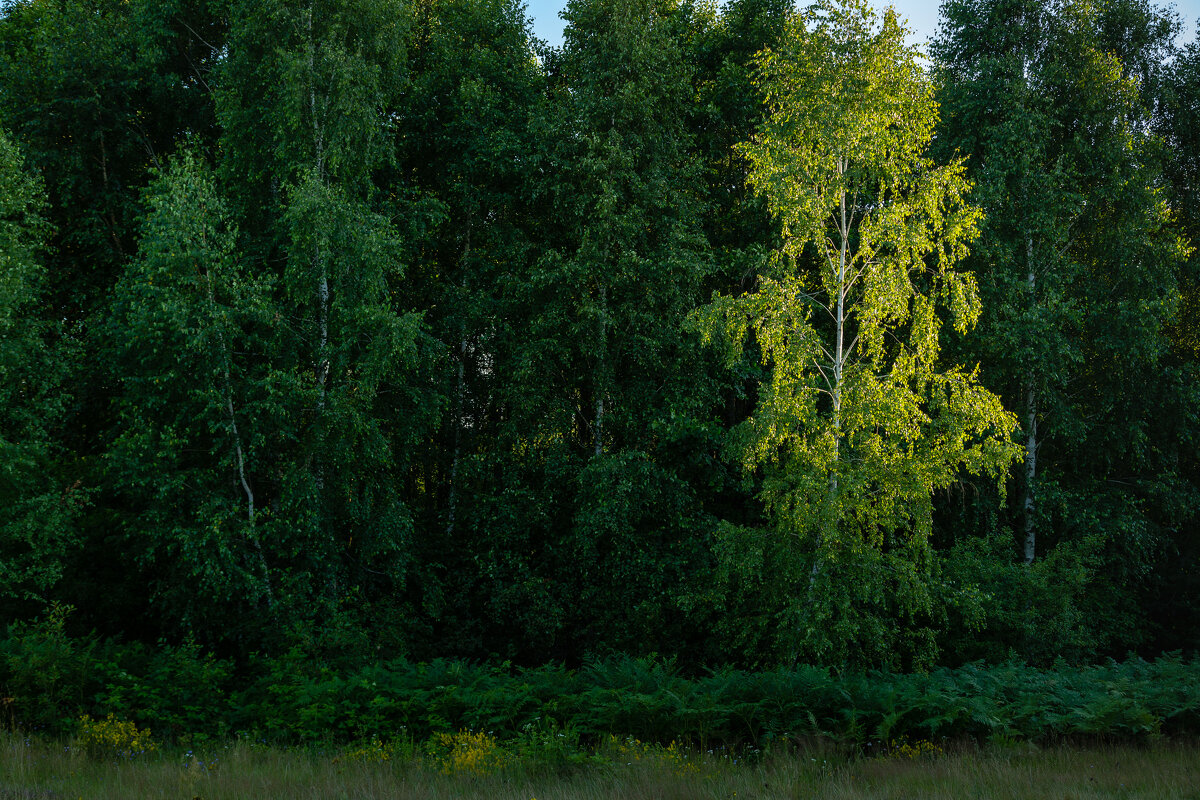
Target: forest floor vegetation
x: 474, y: 765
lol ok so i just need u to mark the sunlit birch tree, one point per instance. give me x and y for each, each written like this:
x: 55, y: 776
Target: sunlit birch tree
x: 858, y: 422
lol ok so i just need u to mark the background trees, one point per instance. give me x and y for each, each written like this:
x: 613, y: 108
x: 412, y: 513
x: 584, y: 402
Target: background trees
x: 40, y: 500
x: 1079, y: 265
x: 1175, y: 575
x: 605, y: 393
x: 97, y: 93
x: 372, y: 328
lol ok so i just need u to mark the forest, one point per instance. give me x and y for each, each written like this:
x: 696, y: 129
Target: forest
x: 745, y: 336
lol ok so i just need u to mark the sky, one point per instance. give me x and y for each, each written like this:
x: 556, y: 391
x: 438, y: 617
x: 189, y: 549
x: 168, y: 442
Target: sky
x: 922, y: 18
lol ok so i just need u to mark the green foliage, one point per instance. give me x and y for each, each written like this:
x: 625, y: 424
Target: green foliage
x: 39, y: 503
x: 100, y: 91
x: 47, y: 675
x: 575, y: 360
x: 188, y: 696
x: 859, y: 423
x: 181, y: 690
x: 623, y: 266
x: 1039, y: 610
x: 22, y: 239
x: 1079, y: 266
x: 197, y: 396
x: 49, y: 678
x: 1175, y: 576
x: 308, y: 104
x: 652, y: 702
x: 97, y: 93
x: 113, y: 739
x: 344, y: 330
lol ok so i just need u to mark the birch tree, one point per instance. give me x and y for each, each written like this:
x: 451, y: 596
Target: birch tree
x: 859, y: 422
x: 1033, y: 203
x: 187, y: 349
x: 308, y: 99
x: 1079, y: 265
x: 463, y: 146
x: 624, y: 261
x: 1171, y: 602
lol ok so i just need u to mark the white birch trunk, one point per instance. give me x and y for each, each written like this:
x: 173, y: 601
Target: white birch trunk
x: 251, y: 512
x: 600, y: 380
x: 320, y: 270
x: 1030, y: 424
x: 1029, y: 503
x: 839, y: 361
x: 458, y: 404
x: 319, y: 267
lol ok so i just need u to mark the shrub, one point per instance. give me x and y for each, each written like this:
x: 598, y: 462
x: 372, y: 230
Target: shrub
x: 111, y: 738
x: 46, y: 677
x: 467, y: 753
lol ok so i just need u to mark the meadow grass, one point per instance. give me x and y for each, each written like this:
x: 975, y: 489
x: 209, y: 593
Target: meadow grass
x: 32, y: 769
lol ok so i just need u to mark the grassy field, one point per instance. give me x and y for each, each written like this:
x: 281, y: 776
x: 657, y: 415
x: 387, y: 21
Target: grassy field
x: 31, y: 769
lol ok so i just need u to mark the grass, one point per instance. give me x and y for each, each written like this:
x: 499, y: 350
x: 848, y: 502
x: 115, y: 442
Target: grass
x: 31, y: 769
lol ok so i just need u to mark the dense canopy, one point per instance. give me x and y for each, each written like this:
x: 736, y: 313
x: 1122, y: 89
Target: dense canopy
x: 742, y: 334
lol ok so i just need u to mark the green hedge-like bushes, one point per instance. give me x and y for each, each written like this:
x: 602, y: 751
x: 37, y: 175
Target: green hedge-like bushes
x: 47, y: 681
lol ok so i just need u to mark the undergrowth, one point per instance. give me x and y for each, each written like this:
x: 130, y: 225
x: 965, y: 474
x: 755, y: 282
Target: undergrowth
x: 187, y: 697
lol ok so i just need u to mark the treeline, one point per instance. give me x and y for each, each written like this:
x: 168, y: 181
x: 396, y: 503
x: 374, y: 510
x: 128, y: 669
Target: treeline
x: 379, y: 329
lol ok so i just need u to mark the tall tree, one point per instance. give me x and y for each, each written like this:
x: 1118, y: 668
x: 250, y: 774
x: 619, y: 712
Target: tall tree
x: 608, y: 395
x: 461, y: 182
x: 1176, y: 583
x: 859, y: 422
x: 188, y: 349
x: 38, y: 507
x: 631, y: 254
x: 727, y: 110
x: 1041, y: 187
x: 1077, y: 265
x: 102, y: 90
x: 99, y: 92
x: 308, y: 96
x: 1179, y: 107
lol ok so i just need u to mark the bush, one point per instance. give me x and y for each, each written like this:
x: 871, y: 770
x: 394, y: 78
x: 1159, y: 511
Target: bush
x: 46, y: 677
x: 180, y: 690
x: 111, y: 738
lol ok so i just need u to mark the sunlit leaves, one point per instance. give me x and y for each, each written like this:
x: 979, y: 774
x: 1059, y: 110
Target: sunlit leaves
x: 860, y: 422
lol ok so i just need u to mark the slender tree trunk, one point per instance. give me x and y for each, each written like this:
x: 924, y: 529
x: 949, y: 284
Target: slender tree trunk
x: 251, y: 512
x: 1030, y: 423
x: 1029, y: 503
x: 452, y: 501
x: 599, y: 425
x: 319, y: 266
x: 600, y: 377
x: 320, y: 270
x: 323, y: 324
x: 1030, y: 472
x: 839, y: 361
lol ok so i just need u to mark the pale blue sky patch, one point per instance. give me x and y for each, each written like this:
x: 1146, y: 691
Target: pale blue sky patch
x: 921, y: 17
